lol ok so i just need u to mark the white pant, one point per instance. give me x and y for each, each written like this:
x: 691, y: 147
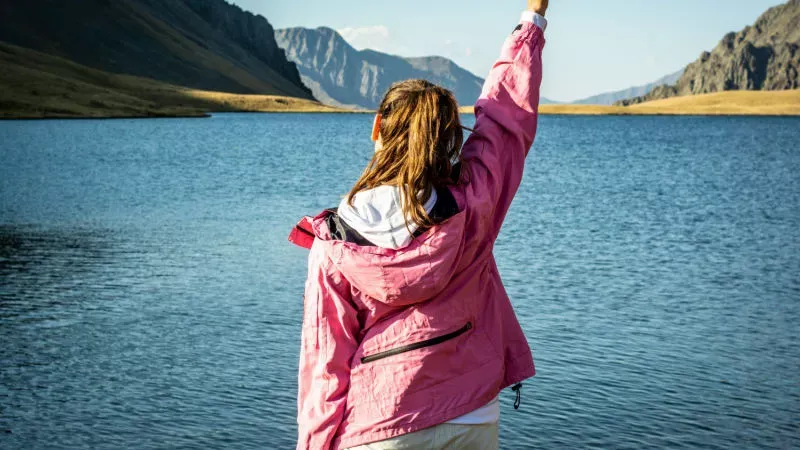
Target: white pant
x: 441, y: 437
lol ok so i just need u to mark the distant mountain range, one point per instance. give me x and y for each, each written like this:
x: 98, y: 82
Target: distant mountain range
x: 609, y: 98
x: 204, y: 44
x: 765, y: 56
x: 340, y: 75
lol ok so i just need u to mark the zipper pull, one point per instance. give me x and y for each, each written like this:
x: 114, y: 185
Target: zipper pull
x: 518, y: 389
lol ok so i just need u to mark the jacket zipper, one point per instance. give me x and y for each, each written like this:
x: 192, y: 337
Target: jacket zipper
x: 417, y: 345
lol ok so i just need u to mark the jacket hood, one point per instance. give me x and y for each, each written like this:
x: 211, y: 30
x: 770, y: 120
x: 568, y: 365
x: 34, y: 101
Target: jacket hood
x: 377, y: 214
x: 404, y: 276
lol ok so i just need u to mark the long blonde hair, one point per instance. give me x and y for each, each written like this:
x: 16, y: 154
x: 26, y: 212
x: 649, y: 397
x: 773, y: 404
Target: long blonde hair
x: 421, y: 137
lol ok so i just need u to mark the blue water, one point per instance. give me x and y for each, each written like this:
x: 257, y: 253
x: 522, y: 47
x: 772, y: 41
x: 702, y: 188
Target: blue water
x: 149, y: 299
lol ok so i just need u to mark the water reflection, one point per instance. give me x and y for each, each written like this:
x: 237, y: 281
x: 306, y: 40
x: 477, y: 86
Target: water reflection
x: 44, y: 271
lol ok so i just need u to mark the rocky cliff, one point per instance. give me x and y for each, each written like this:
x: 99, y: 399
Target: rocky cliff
x: 340, y: 75
x: 204, y: 44
x: 764, y: 56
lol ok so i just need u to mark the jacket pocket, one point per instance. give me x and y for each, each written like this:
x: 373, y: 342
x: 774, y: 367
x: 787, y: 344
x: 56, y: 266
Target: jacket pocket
x: 417, y: 345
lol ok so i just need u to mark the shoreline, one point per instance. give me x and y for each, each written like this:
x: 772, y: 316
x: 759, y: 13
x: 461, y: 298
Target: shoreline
x: 202, y: 115
x: 121, y: 117
x: 204, y: 104
x: 208, y: 115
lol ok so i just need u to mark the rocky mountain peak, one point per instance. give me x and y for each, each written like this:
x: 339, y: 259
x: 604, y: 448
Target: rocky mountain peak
x: 764, y: 56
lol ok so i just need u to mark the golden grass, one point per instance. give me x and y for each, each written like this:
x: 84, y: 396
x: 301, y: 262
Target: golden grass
x: 734, y: 103
x: 222, y: 101
x: 749, y: 103
x: 36, y: 85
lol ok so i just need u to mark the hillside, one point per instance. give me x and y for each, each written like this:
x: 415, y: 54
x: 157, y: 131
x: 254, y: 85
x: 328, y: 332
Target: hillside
x: 202, y: 44
x: 765, y: 56
x: 608, y: 98
x: 36, y: 85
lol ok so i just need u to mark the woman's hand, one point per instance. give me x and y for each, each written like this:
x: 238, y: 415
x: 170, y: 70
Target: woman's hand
x: 538, y: 6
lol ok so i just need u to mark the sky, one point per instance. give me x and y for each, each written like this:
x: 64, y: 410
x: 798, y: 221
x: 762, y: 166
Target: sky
x: 592, y: 46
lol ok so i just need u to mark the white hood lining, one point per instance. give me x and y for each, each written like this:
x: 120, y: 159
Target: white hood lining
x: 377, y: 214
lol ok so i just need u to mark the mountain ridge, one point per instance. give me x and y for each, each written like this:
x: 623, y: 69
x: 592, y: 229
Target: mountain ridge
x: 340, y: 75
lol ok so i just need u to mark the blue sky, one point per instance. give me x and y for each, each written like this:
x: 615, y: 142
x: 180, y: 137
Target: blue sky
x: 592, y: 46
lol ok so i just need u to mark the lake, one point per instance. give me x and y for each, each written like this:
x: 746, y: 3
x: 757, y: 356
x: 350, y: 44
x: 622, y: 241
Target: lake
x: 149, y: 298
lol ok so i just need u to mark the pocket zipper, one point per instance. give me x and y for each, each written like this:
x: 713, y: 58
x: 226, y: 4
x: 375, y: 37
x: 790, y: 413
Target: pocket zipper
x: 417, y: 345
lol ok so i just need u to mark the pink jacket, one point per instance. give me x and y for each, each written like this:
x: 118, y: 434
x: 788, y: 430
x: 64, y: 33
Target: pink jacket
x: 394, y: 341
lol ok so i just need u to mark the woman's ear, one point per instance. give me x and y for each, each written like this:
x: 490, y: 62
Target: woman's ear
x: 376, y: 127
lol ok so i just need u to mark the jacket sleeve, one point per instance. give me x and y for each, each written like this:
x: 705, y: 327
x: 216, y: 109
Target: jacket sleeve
x: 506, y: 117
x: 329, y: 341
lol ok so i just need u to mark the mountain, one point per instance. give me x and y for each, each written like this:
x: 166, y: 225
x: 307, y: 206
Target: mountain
x: 609, y: 98
x: 340, y: 75
x: 203, y: 44
x: 765, y: 56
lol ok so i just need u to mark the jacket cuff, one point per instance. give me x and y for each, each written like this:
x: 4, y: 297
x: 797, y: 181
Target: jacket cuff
x: 534, y: 18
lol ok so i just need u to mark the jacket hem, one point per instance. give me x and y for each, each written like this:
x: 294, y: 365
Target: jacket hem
x: 520, y: 373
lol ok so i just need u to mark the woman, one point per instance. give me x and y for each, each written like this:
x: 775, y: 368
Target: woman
x: 408, y: 335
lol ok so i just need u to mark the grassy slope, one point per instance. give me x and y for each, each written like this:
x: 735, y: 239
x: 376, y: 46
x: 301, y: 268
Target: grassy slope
x: 34, y: 85
x: 770, y: 103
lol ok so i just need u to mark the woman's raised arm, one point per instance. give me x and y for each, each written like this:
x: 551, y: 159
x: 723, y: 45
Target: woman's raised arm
x: 506, y: 117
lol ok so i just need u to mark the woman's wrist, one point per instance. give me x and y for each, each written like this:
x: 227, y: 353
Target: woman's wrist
x: 538, y: 6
